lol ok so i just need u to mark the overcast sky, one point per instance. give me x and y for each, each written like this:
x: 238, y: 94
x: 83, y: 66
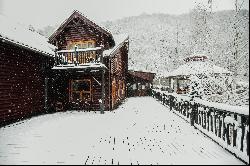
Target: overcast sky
x: 40, y: 13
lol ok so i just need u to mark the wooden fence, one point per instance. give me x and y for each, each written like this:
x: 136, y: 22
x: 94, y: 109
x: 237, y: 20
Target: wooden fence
x: 228, y: 128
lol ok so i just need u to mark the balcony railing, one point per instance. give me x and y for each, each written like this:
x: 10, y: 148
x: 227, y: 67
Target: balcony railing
x: 79, y: 56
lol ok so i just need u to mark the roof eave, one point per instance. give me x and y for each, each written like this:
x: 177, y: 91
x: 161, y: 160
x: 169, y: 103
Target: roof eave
x: 25, y: 47
x: 111, y: 54
x: 75, y: 12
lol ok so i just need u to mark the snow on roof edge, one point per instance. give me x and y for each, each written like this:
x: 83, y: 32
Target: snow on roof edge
x: 197, y: 67
x: 67, y: 18
x: 119, y: 39
x: 19, y: 34
x: 25, y: 46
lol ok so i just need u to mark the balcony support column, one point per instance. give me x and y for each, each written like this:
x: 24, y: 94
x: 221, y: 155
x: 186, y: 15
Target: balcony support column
x: 76, y: 55
x: 102, y: 101
x: 103, y: 85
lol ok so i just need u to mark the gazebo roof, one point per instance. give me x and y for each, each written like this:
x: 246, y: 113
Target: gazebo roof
x: 198, y: 67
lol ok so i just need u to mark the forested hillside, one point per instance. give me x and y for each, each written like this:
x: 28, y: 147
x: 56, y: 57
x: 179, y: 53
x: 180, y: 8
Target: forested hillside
x: 159, y: 42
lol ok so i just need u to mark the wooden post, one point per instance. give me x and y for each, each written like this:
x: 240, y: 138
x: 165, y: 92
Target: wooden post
x: 76, y: 54
x: 46, y: 93
x: 103, y: 91
x: 103, y: 86
x: 56, y: 58
x: 66, y: 58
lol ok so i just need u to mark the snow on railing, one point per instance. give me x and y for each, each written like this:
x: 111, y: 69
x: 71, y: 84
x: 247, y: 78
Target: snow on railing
x: 226, y: 125
x: 79, y: 56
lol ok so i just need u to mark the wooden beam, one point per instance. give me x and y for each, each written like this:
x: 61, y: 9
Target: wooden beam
x: 103, y: 91
x: 96, y: 81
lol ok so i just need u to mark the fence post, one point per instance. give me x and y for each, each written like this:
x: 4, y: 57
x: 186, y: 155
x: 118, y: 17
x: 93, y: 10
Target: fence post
x: 193, y: 112
x: 171, y: 102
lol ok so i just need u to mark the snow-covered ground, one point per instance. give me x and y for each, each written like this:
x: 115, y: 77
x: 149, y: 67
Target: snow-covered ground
x: 141, y: 131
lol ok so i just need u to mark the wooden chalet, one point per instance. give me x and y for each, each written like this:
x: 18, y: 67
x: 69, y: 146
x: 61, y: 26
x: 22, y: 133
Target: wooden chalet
x: 26, y: 58
x: 90, y: 66
x: 140, y: 83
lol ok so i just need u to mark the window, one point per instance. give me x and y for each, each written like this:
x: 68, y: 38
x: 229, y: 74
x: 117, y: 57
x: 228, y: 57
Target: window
x: 83, y: 57
x: 80, y: 90
x: 90, y: 45
x: 81, y: 44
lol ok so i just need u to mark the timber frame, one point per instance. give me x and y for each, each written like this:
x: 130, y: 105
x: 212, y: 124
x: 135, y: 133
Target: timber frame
x: 101, y: 63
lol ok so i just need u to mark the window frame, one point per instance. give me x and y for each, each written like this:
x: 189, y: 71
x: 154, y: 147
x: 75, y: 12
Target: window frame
x: 71, y: 91
x: 83, y: 44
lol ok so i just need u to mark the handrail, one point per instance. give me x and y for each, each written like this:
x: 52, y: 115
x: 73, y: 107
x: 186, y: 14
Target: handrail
x: 80, y: 50
x: 229, y: 128
x: 78, y: 56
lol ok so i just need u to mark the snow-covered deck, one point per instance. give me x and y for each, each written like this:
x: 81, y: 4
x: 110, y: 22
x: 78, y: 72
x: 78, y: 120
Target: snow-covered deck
x: 141, y: 131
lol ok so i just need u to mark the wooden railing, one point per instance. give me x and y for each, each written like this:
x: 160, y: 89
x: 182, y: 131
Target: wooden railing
x: 226, y: 125
x: 79, y: 56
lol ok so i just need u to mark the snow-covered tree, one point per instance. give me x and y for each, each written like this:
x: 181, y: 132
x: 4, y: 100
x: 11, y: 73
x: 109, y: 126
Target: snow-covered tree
x: 200, y: 29
x: 239, y: 41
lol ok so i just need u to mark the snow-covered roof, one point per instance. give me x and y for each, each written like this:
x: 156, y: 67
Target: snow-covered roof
x: 198, y: 67
x: 119, y: 40
x: 21, y: 35
x: 75, y: 13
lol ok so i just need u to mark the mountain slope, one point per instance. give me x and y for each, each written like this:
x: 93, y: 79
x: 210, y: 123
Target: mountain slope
x: 153, y: 40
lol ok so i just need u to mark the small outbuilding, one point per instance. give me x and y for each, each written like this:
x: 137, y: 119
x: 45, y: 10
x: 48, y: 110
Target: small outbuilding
x: 139, y: 83
x: 179, y: 79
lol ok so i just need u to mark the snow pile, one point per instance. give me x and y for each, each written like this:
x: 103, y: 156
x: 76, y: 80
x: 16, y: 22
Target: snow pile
x: 21, y: 35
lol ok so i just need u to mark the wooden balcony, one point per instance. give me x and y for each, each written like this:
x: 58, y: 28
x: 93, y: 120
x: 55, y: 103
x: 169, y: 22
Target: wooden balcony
x: 78, y: 57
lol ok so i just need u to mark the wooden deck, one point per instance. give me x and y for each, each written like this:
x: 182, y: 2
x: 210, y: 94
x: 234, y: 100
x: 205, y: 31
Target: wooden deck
x: 141, y: 131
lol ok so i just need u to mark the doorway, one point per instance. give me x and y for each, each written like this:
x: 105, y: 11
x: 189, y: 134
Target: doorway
x: 80, y: 91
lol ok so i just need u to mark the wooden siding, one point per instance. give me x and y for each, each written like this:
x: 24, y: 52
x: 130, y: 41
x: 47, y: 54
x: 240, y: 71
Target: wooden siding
x: 59, y: 91
x: 81, y: 32
x: 118, y: 72
x: 22, y: 83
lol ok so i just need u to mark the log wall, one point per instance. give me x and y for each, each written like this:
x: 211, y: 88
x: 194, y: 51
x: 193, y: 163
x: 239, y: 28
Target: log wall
x: 22, y: 83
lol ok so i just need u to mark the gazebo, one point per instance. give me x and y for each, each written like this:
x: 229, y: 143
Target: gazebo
x: 179, y: 79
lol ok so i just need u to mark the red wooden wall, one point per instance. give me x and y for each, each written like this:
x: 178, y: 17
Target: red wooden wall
x: 22, y: 83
